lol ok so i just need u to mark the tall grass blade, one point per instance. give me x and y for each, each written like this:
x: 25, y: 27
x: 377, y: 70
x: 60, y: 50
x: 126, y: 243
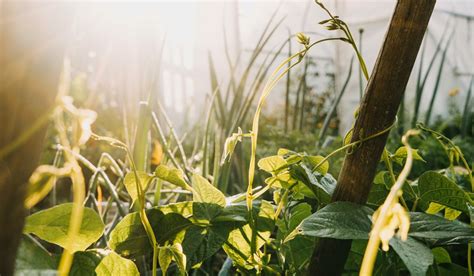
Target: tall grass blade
x: 438, y: 79
x: 325, y: 126
x: 466, y: 114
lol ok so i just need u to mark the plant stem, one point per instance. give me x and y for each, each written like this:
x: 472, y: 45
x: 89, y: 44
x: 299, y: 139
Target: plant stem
x: 372, y: 247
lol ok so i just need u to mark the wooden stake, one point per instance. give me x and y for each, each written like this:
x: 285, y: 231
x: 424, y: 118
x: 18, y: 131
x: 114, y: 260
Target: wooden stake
x: 376, y: 113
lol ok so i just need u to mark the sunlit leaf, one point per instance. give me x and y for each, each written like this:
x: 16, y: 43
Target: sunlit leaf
x: 52, y: 225
x: 172, y: 175
x: 129, y: 237
x: 165, y: 257
x: 203, y: 191
x: 130, y: 182
x: 272, y: 163
x: 113, y: 265
x: 314, y: 161
x: 401, y: 154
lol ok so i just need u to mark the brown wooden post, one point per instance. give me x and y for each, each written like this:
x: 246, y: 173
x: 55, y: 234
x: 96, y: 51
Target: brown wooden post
x: 376, y: 113
x: 32, y: 46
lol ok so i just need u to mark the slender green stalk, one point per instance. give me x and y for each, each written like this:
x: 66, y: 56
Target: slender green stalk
x: 271, y: 83
x: 466, y: 114
x: 438, y: 79
x: 140, y: 148
x: 331, y: 112
x: 421, y: 83
x: 361, y: 81
x: 383, y: 212
x: 303, y: 94
x: 288, y: 83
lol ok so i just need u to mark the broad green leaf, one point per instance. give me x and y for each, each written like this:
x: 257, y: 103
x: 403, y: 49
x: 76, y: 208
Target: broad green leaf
x: 437, y: 188
x: 204, y: 213
x: 203, y: 240
x: 401, y: 154
x: 314, y: 161
x: 238, y: 247
x: 34, y: 259
x: 164, y: 258
x: 283, y: 151
x: 416, y: 256
x: 451, y: 270
x: 437, y: 228
x: 470, y: 208
x: 338, y: 220
x: 113, y: 265
x: 383, y: 178
x: 172, y: 175
x: 271, y: 164
x: 84, y: 263
x: 297, y: 251
x: 203, y: 191
x: 129, y: 237
x: 378, y: 194
x: 179, y: 257
x: 130, y: 182
x: 322, y: 186
x: 281, y: 180
x: 200, y: 243
x: 297, y: 214
x: 52, y: 225
x: 441, y: 255
x: 184, y: 208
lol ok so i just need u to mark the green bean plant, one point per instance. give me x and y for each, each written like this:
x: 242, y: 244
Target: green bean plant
x: 166, y: 212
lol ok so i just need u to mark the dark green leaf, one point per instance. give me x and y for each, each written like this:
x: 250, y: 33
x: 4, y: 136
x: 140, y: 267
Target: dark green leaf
x: 129, y: 237
x: 338, y: 220
x: 84, y: 263
x: 435, y: 187
x: 433, y: 227
x: 416, y: 256
x: 34, y: 259
x: 203, y: 191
